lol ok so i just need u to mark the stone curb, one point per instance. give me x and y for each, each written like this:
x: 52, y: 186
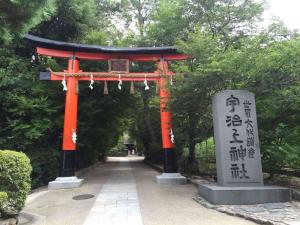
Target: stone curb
x: 203, y: 202
x: 10, y: 221
x: 231, y: 213
x: 83, y: 171
x: 295, y: 194
x: 154, y: 166
x: 192, y: 181
x: 23, y: 218
x: 34, y: 219
x: 78, y: 173
x: 39, y: 189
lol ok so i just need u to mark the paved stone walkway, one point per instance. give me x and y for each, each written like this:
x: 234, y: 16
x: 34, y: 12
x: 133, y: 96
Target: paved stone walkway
x: 117, y: 203
x: 125, y: 193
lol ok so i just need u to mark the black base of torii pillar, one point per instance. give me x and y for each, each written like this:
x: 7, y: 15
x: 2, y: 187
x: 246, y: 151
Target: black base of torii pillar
x: 67, y: 163
x: 170, y: 160
x: 170, y: 174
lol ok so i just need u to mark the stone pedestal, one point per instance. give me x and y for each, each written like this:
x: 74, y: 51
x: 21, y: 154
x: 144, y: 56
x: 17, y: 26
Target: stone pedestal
x: 65, y: 183
x: 221, y: 195
x: 170, y: 179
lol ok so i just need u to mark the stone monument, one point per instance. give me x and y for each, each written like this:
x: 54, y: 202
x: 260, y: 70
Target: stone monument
x: 239, y: 169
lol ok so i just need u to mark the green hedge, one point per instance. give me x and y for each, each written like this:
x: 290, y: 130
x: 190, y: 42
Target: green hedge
x: 15, y: 172
x: 3, y: 200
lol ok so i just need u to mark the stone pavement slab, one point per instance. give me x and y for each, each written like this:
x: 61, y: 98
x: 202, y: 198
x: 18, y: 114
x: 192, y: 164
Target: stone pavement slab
x: 117, y: 203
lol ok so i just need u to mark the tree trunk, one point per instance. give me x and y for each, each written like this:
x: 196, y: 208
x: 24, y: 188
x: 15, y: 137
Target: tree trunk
x: 191, y: 151
x: 192, y: 143
x: 148, y: 134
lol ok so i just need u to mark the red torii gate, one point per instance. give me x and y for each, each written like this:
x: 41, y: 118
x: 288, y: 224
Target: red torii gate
x: 117, y: 57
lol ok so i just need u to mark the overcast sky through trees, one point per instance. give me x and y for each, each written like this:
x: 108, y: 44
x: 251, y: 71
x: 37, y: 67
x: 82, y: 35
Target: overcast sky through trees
x: 286, y: 10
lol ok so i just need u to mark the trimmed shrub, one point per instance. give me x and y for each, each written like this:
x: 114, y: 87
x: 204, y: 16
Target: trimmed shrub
x: 15, y: 172
x: 3, y: 200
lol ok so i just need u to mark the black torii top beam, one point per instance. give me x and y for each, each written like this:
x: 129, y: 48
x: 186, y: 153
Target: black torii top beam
x: 95, y: 52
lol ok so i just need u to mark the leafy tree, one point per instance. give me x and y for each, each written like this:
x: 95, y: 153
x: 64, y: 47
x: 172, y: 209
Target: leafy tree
x: 137, y: 12
x: 262, y: 64
x: 71, y: 21
x: 26, y: 113
x: 230, y: 20
x: 170, y: 22
x: 19, y: 16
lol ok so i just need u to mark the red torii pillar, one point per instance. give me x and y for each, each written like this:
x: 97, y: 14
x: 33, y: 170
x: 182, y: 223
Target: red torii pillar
x: 170, y: 175
x: 168, y: 144
x: 68, y: 156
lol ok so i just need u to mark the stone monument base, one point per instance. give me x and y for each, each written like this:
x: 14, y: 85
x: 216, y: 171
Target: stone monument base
x: 221, y: 195
x: 65, y: 183
x: 170, y: 178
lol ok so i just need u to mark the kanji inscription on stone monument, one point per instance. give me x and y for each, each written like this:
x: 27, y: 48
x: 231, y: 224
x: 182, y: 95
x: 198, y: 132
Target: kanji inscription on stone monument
x: 236, y: 139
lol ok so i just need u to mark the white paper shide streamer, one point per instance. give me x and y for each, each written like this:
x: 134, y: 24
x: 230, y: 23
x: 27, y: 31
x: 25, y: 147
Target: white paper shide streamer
x: 120, y: 83
x: 74, y: 137
x: 172, y: 137
x: 91, y: 82
x: 64, y: 83
x: 146, y: 84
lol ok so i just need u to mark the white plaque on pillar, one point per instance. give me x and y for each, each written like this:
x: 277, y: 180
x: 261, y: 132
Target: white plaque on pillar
x: 236, y: 139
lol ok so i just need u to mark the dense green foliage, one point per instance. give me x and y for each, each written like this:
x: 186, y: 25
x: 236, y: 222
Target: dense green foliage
x: 15, y: 172
x: 19, y: 16
x: 26, y: 115
x: 229, y: 52
x: 119, y: 149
